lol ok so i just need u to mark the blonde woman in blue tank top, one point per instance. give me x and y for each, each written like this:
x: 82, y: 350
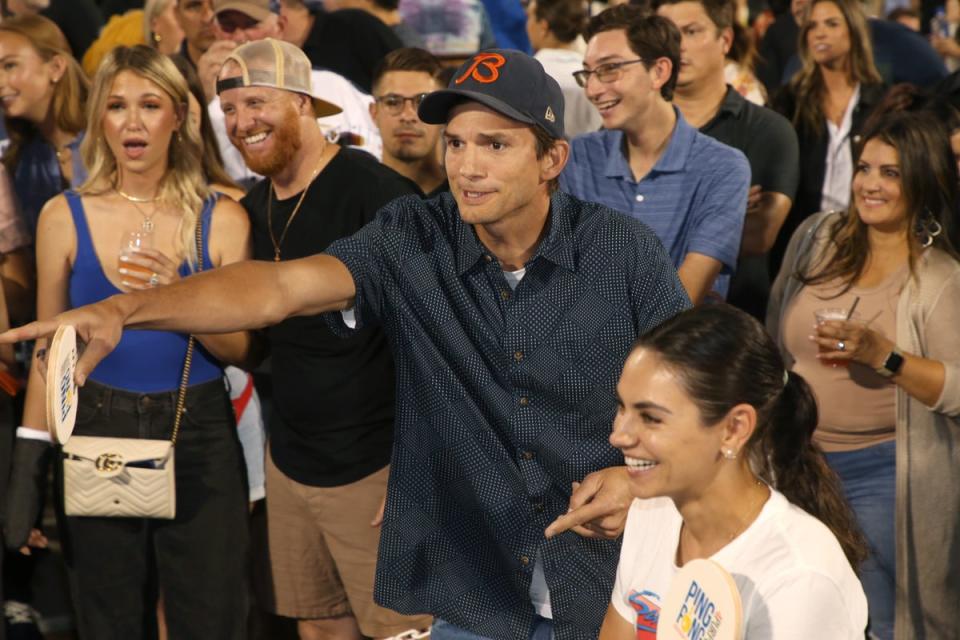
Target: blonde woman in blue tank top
x: 144, y: 164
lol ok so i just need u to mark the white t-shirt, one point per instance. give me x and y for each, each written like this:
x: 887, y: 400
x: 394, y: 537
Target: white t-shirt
x: 328, y: 86
x: 795, y: 582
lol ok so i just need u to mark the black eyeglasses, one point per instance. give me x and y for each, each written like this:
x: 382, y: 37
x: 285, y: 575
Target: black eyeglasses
x: 394, y: 103
x: 607, y: 72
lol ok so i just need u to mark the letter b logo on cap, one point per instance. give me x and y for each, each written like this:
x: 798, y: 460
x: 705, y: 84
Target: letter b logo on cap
x: 485, y: 68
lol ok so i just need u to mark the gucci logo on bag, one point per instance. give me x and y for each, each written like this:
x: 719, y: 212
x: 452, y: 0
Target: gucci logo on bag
x: 109, y: 464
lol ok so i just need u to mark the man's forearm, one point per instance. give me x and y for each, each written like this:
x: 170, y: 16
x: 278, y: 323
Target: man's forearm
x: 240, y: 296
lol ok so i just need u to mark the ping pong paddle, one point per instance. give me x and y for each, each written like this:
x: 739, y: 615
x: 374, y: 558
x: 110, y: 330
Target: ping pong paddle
x: 62, y: 396
x: 703, y: 603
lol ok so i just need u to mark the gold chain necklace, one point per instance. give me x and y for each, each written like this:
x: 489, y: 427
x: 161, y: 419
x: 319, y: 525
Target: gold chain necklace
x: 147, y: 224
x: 283, y: 234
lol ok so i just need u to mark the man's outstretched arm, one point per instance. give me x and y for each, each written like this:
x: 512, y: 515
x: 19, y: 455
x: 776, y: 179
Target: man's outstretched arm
x: 246, y: 295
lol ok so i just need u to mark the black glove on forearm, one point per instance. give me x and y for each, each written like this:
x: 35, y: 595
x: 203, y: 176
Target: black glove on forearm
x: 28, y: 482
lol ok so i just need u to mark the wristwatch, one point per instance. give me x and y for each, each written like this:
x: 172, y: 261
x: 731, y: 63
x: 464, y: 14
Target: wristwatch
x: 892, y: 365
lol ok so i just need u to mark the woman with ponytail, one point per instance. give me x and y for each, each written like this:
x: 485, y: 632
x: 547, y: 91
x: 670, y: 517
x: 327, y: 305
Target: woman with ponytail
x: 716, y: 436
x: 889, y: 395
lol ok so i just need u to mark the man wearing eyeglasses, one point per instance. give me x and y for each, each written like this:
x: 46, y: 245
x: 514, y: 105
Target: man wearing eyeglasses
x: 240, y: 21
x: 410, y: 146
x: 649, y: 163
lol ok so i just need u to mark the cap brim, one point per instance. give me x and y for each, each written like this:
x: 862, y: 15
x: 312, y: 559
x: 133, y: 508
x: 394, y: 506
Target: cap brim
x: 435, y: 107
x: 322, y: 108
x: 256, y: 12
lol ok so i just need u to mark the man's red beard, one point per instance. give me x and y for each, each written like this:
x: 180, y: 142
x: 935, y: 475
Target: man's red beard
x: 285, y: 144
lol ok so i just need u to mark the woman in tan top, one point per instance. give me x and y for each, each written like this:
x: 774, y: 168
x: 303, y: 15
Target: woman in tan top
x: 888, y: 381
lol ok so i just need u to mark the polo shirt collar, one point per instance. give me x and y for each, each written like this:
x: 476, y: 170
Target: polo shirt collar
x: 556, y: 246
x: 674, y: 157
x: 732, y: 103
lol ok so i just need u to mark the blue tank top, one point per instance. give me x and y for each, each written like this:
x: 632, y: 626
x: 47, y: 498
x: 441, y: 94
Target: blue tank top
x: 144, y: 361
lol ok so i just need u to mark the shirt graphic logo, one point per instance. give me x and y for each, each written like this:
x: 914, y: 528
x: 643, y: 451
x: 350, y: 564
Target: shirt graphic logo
x: 647, y: 606
x: 485, y: 68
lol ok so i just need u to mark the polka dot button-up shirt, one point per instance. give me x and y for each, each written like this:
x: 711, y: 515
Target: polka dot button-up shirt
x: 504, y: 398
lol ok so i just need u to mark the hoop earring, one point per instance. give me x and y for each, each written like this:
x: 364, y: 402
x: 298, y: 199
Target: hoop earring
x: 927, y: 228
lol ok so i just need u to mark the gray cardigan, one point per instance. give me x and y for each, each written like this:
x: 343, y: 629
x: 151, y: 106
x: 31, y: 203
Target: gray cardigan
x: 928, y: 438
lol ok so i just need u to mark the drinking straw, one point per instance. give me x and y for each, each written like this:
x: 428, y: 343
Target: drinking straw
x: 853, y: 307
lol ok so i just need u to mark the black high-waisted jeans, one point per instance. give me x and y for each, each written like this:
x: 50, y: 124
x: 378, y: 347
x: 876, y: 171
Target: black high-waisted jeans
x: 197, y: 561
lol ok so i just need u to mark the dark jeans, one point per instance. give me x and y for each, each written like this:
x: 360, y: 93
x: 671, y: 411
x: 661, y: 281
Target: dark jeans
x: 198, y: 560
x: 869, y: 482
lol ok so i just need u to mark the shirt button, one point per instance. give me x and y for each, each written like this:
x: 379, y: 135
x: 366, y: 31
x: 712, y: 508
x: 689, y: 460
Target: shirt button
x: 524, y: 401
x: 527, y: 455
x: 524, y: 560
x: 487, y: 258
x: 639, y: 197
x: 504, y: 294
x: 538, y: 507
x: 518, y: 355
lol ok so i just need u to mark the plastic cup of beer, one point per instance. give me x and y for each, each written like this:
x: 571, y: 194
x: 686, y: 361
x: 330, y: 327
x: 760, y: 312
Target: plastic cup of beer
x: 825, y: 315
x: 133, y: 240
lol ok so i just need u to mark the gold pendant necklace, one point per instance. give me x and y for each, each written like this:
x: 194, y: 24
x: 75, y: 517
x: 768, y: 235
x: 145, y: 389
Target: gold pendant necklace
x: 147, y: 224
x: 283, y: 234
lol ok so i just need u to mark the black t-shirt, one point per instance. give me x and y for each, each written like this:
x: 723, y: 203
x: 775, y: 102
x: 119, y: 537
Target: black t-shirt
x: 350, y: 42
x: 770, y: 144
x: 332, y: 421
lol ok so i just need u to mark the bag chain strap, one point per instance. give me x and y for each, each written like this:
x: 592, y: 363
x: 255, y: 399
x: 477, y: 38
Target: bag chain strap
x: 185, y: 378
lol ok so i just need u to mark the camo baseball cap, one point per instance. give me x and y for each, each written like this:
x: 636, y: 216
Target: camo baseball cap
x: 276, y: 64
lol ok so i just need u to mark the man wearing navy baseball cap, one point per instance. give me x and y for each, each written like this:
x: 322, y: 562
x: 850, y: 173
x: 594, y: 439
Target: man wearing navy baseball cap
x: 510, y: 308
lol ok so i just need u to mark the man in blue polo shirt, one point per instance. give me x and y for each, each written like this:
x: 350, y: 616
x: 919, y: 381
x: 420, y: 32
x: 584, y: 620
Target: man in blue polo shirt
x: 510, y: 309
x: 648, y: 162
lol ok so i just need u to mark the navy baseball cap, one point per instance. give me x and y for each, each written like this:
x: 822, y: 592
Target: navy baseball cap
x: 507, y: 81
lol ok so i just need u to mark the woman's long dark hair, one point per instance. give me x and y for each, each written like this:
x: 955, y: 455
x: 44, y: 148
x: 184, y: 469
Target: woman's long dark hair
x: 929, y: 186
x: 807, y: 84
x: 724, y: 357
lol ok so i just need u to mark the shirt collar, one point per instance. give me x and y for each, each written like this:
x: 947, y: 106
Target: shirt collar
x: 732, y: 103
x: 673, y: 159
x: 556, y: 246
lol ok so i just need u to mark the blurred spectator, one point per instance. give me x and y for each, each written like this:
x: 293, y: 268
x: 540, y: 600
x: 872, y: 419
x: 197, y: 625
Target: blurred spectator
x: 45, y: 94
x: 764, y: 136
x: 907, y: 17
x: 779, y: 45
x: 738, y: 70
x: 450, y: 28
x: 155, y: 25
x: 387, y: 11
x: 79, y: 20
x: 944, y: 36
x: 240, y: 21
x: 195, y: 17
x: 349, y: 42
x: 410, y: 146
x: 554, y: 28
x: 828, y: 101
x: 508, y: 20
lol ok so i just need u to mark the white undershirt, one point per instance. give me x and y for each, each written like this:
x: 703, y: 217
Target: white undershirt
x: 838, y: 172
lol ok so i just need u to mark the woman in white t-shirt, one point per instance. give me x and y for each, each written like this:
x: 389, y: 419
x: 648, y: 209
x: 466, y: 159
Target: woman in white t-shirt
x: 708, y: 419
